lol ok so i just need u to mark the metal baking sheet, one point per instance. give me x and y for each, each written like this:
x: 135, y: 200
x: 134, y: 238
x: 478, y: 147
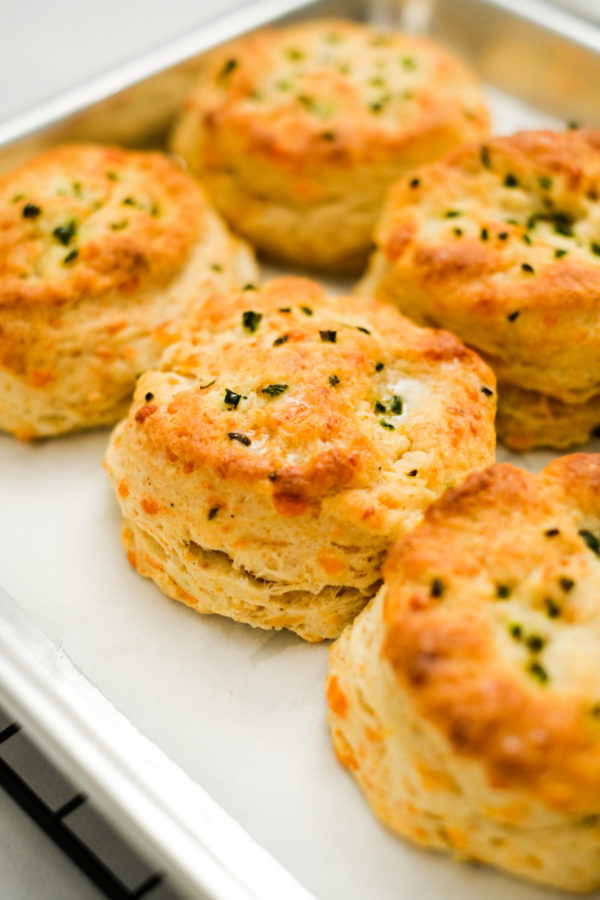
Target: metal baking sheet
x: 240, y: 711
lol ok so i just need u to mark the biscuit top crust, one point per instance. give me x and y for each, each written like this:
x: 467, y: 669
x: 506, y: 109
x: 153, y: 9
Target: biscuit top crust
x: 492, y: 623
x: 504, y: 238
x: 82, y: 220
x: 336, y: 90
x: 301, y: 396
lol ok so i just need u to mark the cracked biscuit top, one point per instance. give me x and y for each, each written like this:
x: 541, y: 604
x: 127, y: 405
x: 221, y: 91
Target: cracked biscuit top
x: 83, y: 220
x: 492, y: 623
x: 318, y: 401
x: 500, y: 243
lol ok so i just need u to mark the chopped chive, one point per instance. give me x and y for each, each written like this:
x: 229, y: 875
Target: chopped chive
x: 535, y: 643
x: 379, y: 407
x: 484, y: 234
x: 526, y: 239
x: 212, y: 512
x: 558, y: 254
x: 119, y: 226
x: 515, y: 630
x: 231, y: 398
x: 76, y: 188
x: 510, y: 180
x: 387, y: 425
x: 31, y: 211
x: 396, y: 405
x: 567, y: 584
x: 364, y: 330
x: 275, y: 390
x: 328, y: 135
x: 595, y: 248
x: 249, y: 287
x: 414, y: 183
x: 544, y: 182
x: 452, y: 214
x: 281, y: 340
x: 112, y: 176
x: 17, y: 198
x: 128, y: 201
x: 526, y: 267
x: 484, y: 154
x: 328, y: 337
x: 437, y: 587
x: 242, y: 438
x: 458, y: 232
x: 65, y: 233
x: 149, y: 396
x: 306, y: 310
x: 552, y: 608
x: 412, y: 473
x: 502, y: 591
x: 503, y: 235
x: 71, y: 257
x: 534, y: 668
x: 376, y: 107
x: 487, y: 391
x: 591, y: 540
x: 251, y: 320
x: 216, y: 267
x: 379, y: 366
x: 552, y: 532
x: 409, y: 63
x: 202, y: 387
x: 514, y: 315
x: 272, y: 476
x: 334, y: 380
x: 228, y: 67
x: 572, y: 125
x: 285, y: 309
x: 293, y: 53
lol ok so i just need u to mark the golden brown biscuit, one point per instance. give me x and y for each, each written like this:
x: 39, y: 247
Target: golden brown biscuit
x: 299, y: 131
x: 102, y: 252
x: 466, y: 697
x: 264, y: 469
x: 500, y: 243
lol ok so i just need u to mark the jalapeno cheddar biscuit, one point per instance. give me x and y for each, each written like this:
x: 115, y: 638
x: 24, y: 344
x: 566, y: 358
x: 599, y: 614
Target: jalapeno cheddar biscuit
x: 466, y: 698
x: 102, y: 252
x: 299, y: 131
x: 266, y: 465
x: 500, y: 243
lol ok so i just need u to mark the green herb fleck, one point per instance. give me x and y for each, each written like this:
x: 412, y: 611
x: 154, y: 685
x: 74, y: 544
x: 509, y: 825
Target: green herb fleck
x: 149, y: 396
x: 65, y: 233
x: 591, y: 540
x: 526, y: 239
x: 202, y: 387
x: 283, y: 85
x: 537, y: 671
x: 31, y: 211
x: 112, y: 176
x: 364, y: 330
x: 119, y: 226
x: 294, y: 54
x: 503, y: 235
x: 552, y: 608
x: 412, y: 473
x: 552, y: 532
x: 396, y: 405
x: 281, y: 340
x: 242, y: 438
x: 452, y: 214
x: 306, y: 310
x: 544, y: 182
x: 228, y: 67
x: 275, y: 390
x: 251, y: 320
x: 328, y: 337
x: 487, y: 391
x: 513, y: 315
x: 212, y: 512
x: 458, y: 232
x: 485, y: 235
x: 437, y: 587
x: 595, y: 248
x: 502, y: 591
x: 535, y: 643
x: 379, y: 407
x: 249, y: 287
x: 379, y: 367
x: 515, y: 630
x: 409, y: 63
x: 334, y: 380
x: 71, y: 257
x: 17, y: 198
x: 558, y: 254
x: 216, y: 267
x: 414, y: 183
x: 572, y: 125
x: 76, y: 188
x: 526, y: 267
x: 484, y: 154
x: 328, y: 135
x: 387, y: 425
x: 231, y: 399
x: 567, y: 584
x: 510, y: 180
x: 285, y: 309
x: 128, y: 201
